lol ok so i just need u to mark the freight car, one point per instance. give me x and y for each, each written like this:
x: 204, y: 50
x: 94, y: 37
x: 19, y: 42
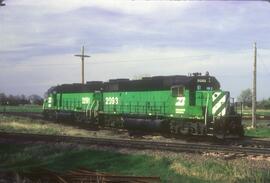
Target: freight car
x: 177, y: 105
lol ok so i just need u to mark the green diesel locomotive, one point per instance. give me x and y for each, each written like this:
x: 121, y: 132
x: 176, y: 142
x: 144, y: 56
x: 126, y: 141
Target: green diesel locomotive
x: 177, y: 105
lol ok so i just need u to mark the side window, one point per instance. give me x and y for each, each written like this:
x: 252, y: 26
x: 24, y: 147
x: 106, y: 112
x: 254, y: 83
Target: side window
x: 209, y: 88
x: 54, y: 99
x: 177, y: 91
x: 181, y: 91
x: 174, y: 91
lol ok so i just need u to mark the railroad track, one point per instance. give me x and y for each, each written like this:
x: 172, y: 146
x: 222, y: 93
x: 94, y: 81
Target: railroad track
x: 243, y: 142
x: 33, y: 115
x: 83, y: 175
x: 136, y: 144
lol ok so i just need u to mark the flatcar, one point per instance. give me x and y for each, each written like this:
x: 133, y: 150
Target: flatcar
x: 177, y: 105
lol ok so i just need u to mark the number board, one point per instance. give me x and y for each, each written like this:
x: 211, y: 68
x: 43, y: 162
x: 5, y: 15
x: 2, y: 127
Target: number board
x: 111, y: 100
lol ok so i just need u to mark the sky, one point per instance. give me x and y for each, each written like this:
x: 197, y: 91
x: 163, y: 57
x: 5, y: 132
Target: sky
x: 129, y: 39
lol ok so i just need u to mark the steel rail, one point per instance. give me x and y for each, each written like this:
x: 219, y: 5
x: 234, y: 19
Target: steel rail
x: 137, y: 144
x: 85, y: 176
x: 245, y: 142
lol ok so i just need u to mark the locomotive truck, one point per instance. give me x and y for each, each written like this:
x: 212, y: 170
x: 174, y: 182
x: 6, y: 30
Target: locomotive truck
x: 177, y: 105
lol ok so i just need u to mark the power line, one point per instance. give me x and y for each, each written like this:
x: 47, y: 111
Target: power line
x: 265, y: 67
x: 113, y: 62
x: 165, y: 59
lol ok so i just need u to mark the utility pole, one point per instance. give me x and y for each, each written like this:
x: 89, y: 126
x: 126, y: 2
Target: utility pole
x: 254, y: 88
x: 82, y: 55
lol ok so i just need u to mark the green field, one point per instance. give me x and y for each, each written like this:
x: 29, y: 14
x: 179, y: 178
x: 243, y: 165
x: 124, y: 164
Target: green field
x: 262, y: 129
x: 259, y: 112
x: 26, y: 125
x: 21, y: 108
x: 171, y: 167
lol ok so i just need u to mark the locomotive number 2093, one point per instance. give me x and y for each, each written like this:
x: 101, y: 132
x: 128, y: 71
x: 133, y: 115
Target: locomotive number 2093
x: 111, y: 100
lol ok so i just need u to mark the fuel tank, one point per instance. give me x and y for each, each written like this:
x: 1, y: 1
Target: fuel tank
x: 146, y: 125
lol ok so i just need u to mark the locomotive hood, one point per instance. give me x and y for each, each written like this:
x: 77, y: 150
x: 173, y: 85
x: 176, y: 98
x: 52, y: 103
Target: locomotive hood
x: 220, y: 103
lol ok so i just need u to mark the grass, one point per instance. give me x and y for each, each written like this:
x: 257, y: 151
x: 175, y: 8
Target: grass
x: 21, y: 108
x: 260, y: 133
x: 171, y: 167
x: 260, y: 112
x: 262, y: 129
x: 25, y: 125
x: 28, y: 125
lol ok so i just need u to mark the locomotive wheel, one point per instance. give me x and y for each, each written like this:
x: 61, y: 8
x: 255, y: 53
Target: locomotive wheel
x: 184, y: 131
x: 45, y: 115
x: 220, y: 136
x: 56, y: 116
x: 78, y: 117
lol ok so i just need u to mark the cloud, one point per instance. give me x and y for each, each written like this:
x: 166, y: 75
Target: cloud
x: 129, y: 38
x: 128, y: 7
x: 232, y: 69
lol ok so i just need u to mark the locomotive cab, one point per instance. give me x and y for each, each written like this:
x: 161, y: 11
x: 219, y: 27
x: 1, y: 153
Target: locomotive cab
x: 226, y: 120
x: 221, y: 118
x: 204, y: 109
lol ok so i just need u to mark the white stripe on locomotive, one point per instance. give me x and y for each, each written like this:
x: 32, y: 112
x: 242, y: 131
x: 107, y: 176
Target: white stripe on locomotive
x: 215, y: 95
x: 218, y: 105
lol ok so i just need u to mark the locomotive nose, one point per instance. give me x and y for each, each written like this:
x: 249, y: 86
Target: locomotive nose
x: 220, y: 103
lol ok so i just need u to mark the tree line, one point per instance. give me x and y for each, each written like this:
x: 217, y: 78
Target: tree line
x: 246, y: 98
x: 20, y: 99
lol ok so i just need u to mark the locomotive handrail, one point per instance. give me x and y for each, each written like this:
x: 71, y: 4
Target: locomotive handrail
x: 152, y: 98
x: 206, y: 110
x: 86, y: 110
x: 129, y: 108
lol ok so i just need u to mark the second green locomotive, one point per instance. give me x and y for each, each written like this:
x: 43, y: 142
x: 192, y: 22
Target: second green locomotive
x: 177, y: 105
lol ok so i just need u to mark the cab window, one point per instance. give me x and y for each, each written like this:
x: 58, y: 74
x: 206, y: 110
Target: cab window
x: 209, y: 88
x: 177, y: 91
